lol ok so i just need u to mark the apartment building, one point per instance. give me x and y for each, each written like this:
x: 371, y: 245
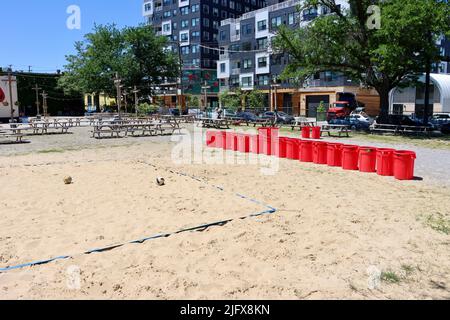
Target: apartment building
x: 444, y: 66
x: 192, y: 28
x: 248, y: 61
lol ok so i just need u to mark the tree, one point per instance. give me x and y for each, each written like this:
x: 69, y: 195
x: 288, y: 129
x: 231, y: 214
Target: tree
x: 192, y: 101
x: 255, y: 99
x: 146, y: 108
x: 231, y: 100
x: 383, y: 58
x: 135, y: 53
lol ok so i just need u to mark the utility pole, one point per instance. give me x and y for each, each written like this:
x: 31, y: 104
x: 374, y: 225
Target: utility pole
x: 205, y: 88
x: 136, y: 91
x: 427, y: 81
x: 44, y: 103
x: 180, y: 81
x: 125, y: 95
x: 118, y: 82
x: 29, y: 69
x: 36, y: 88
x: 11, y: 103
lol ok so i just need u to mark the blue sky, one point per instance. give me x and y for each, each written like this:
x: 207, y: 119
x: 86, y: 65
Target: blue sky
x: 34, y: 32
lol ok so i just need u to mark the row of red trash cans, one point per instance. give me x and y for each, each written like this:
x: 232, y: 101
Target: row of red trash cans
x: 385, y: 162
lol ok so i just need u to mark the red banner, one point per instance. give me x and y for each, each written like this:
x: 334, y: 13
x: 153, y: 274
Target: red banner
x: 2, y: 95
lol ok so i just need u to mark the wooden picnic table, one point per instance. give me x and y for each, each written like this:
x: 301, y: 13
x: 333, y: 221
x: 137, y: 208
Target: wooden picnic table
x: 214, y: 123
x: 259, y: 122
x: 340, y: 129
x: 152, y: 128
x: 42, y: 127
x: 14, y: 132
x: 401, y: 129
x: 301, y: 123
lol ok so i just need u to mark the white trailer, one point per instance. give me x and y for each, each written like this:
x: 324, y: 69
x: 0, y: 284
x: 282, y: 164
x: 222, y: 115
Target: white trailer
x: 6, y: 99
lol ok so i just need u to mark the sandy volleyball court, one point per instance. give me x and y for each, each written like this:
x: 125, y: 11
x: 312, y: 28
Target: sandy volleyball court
x: 331, y: 228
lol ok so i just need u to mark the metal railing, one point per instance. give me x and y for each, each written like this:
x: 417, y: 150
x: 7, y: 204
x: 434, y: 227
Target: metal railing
x: 252, y: 14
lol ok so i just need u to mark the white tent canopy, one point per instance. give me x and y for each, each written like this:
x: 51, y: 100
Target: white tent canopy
x: 441, y: 82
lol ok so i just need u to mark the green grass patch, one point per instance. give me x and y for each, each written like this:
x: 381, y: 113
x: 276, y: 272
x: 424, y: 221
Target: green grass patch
x: 390, y: 276
x: 438, y: 222
x: 407, y: 269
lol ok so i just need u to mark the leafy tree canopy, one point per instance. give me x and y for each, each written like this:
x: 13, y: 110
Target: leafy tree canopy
x: 383, y: 58
x: 135, y: 53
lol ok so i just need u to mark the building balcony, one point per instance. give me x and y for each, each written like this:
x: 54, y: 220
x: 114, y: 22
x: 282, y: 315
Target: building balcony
x: 235, y: 71
x: 235, y: 38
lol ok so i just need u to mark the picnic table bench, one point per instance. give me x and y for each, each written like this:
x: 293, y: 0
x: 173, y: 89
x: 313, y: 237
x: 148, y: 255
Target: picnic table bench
x: 43, y: 127
x: 259, y: 122
x: 401, y: 129
x: 121, y: 128
x: 339, y: 129
x: 384, y: 128
x: 214, y: 123
x: 301, y: 123
x: 417, y: 130
x: 12, y: 133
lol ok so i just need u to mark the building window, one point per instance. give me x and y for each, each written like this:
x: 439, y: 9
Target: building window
x: 276, y: 22
x: 246, y: 29
x: 184, y: 37
x: 262, y: 43
x: 184, y: 11
x: 247, y: 82
x: 263, y: 80
x: 262, y: 25
x: 262, y: 62
x: 247, y: 63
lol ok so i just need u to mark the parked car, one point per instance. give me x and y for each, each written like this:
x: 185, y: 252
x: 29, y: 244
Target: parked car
x: 174, y: 112
x: 247, y: 116
x: 353, y: 122
x: 445, y: 128
x: 439, y: 119
x: 363, y: 118
x: 282, y: 117
x: 401, y: 120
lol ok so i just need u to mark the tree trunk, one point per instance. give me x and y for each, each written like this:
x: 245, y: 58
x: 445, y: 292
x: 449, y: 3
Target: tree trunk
x: 384, y: 104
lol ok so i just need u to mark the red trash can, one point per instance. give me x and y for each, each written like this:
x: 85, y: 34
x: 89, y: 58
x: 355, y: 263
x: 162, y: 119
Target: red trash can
x: 385, y: 162
x: 334, y: 154
x: 268, y: 138
x: 306, y: 151
x: 211, y: 139
x: 221, y: 137
x: 254, y: 143
x: 292, y: 148
x: 231, y: 141
x: 306, y: 132
x: 350, y: 155
x: 243, y: 142
x: 316, y: 133
x: 282, y: 147
x: 404, y: 162
x: 320, y: 151
x: 367, y: 159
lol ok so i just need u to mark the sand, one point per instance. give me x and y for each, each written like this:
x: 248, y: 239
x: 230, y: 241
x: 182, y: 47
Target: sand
x: 331, y: 227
